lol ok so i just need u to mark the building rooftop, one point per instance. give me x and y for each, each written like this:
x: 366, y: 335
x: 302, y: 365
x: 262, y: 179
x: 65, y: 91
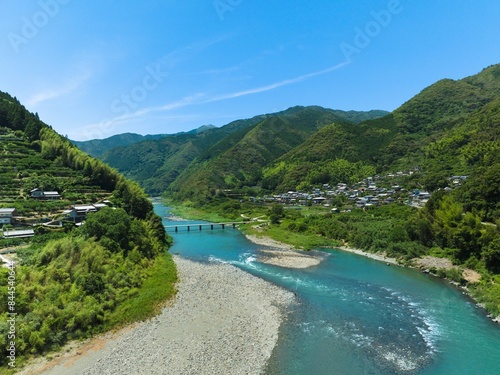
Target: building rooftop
x: 84, y: 208
x: 18, y: 233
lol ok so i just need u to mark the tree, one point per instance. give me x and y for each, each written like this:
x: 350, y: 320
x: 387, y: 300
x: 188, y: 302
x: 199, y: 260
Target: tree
x: 110, y: 226
x: 32, y: 130
x: 276, y: 213
x: 491, y: 255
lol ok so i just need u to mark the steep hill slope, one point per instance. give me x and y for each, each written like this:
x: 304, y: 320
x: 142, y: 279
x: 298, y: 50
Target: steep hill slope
x: 402, y: 139
x: 237, y: 160
x: 72, y: 282
x: 156, y: 164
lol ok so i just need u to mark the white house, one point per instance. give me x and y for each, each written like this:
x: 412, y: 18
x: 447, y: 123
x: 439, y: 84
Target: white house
x: 7, y: 215
x: 19, y: 233
x: 40, y: 194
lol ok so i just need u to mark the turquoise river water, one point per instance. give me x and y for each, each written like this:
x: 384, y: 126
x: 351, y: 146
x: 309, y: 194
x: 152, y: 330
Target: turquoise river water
x: 356, y: 315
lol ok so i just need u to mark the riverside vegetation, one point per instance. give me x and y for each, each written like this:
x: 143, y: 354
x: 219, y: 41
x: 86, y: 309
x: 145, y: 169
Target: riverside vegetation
x: 71, y: 282
x: 450, y: 128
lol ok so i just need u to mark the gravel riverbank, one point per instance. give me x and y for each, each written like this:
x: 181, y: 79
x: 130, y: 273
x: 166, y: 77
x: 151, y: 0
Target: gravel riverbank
x: 283, y: 255
x: 223, y: 321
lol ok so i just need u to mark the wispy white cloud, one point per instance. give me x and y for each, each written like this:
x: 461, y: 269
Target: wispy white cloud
x: 103, y: 128
x: 66, y: 88
x: 220, y: 71
x: 276, y: 85
x: 172, y: 59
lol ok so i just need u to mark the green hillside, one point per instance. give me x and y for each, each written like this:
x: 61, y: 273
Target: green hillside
x: 237, y: 160
x: 412, y: 135
x: 70, y: 282
x: 156, y: 164
x: 97, y: 147
x: 181, y: 159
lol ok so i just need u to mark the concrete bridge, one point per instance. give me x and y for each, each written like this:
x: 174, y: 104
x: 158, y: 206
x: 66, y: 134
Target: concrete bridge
x: 212, y: 226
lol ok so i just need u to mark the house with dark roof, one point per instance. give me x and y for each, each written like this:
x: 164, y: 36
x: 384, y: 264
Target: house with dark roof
x: 40, y: 194
x: 78, y: 213
x: 7, y: 215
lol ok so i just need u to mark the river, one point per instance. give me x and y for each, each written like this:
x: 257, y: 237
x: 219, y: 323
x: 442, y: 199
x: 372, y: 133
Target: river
x: 359, y: 316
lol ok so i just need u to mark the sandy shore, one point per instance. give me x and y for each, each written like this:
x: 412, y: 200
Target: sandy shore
x: 378, y: 257
x: 268, y: 242
x: 283, y: 255
x: 174, y: 218
x: 223, y: 321
x: 289, y: 258
x: 295, y: 259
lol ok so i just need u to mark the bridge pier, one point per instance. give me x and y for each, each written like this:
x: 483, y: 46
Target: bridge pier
x: 211, y: 226
x: 200, y: 227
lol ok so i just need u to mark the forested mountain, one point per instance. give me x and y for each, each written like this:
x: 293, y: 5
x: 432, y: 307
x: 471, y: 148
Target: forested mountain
x: 73, y: 282
x: 237, y: 160
x: 156, y: 164
x: 176, y: 160
x: 96, y: 147
x: 441, y: 130
x: 419, y: 133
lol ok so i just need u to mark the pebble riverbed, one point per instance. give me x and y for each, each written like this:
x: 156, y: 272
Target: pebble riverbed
x: 223, y: 321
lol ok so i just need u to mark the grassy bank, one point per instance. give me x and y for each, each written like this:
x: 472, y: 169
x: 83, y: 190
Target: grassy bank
x: 191, y: 213
x: 216, y: 211
x: 302, y: 241
x: 157, y: 289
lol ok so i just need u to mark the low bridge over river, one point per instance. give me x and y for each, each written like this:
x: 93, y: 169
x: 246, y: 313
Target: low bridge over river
x: 210, y: 226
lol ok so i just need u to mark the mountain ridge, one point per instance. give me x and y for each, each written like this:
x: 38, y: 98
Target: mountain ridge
x: 245, y: 153
x: 97, y: 147
x: 170, y: 156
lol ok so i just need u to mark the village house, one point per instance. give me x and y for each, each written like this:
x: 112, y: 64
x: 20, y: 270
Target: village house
x: 319, y: 200
x: 40, y: 194
x: 458, y: 180
x: 424, y: 195
x: 78, y: 213
x: 25, y: 233
x: 7, y: 215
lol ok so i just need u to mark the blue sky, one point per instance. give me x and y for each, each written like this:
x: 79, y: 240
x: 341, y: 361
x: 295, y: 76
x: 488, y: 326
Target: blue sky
x: 92, y: 69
